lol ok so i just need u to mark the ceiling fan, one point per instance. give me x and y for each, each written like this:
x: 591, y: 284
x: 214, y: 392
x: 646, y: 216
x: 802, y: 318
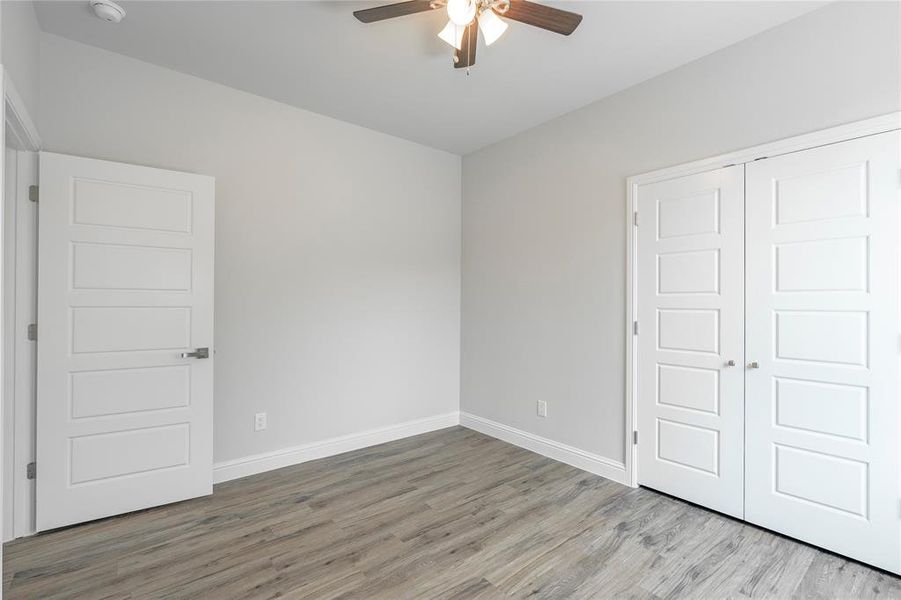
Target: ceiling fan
x: 466, y: 17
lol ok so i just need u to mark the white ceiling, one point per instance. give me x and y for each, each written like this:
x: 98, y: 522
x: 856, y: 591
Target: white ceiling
x: 396, y: 76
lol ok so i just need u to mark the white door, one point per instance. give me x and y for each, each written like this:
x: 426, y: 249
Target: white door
x: 691, y: 325
x: 125, y: 287
x: 822, y: 401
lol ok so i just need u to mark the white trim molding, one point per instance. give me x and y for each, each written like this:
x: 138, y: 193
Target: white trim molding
x: 593, y: 463
x: 19, y: 134
x: 20, y: 124
x: 286, y: 457
x: 832, y: 135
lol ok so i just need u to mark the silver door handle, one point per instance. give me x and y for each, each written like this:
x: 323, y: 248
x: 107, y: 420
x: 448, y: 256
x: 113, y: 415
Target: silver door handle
x: 753, y: 365
x: 730, y: 363
x: 199, y: 353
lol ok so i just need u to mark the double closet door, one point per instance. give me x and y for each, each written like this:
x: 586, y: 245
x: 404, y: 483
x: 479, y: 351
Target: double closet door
x: 768, y: 354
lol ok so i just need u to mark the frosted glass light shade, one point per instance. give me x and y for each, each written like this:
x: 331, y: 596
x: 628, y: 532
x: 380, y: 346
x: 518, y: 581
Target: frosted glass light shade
x: 492, y: 26
x: 461, y: 12
x: 453, y: 35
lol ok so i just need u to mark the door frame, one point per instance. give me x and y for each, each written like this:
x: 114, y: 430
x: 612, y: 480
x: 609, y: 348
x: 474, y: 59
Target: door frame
x: 832, y: 135
x: 18, y: 124
x: 16, y: 116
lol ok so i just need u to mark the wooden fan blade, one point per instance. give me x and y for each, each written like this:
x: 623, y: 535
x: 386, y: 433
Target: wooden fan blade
x: 466, y: 56
x: 539, y: 15
x: 389, y: 11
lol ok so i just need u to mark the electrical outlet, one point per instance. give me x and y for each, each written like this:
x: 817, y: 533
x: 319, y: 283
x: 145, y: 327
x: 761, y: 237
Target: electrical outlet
x: 259, y: 422
x: 542, y: 408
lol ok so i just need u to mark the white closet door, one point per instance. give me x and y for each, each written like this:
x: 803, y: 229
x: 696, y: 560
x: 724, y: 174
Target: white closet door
x: 125, y: 294
x: 822, y: 451
x: 690, y: 313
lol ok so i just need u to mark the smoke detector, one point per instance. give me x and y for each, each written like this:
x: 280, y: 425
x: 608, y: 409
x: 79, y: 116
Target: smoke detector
x: 108, y: 10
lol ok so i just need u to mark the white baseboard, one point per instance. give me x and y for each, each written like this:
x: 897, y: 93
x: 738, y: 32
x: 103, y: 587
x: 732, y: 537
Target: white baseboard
x: 267, y: 461
x: 593, y: 463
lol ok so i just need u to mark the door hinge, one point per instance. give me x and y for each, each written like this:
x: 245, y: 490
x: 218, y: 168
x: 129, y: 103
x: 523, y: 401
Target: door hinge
x: 33, y: 193
x: 635, y: 218
x: 635, y: 437
x: 634, y: 327
x: 31, y: 470
x: 32, y: 332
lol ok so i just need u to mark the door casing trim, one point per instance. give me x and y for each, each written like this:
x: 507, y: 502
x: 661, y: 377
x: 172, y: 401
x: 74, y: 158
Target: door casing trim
x: 18, y: 125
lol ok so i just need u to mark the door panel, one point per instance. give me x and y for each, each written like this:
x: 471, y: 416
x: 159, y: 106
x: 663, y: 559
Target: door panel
x: 690, y: 312
x: 822, y: 323
x: 125, y: 286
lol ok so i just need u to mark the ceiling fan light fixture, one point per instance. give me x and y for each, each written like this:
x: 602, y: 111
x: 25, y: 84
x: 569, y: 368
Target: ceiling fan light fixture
x: 492, y: 26
x: 462, y: 33
x: 453, y: 34
x: 461, y: 12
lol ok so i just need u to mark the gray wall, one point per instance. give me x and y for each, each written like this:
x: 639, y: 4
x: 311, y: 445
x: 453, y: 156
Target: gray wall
x: 19, y: 50
x: 545, y: 211
x: 337, y: 248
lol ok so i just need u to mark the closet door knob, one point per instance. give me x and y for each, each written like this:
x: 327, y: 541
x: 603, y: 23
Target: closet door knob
x: 753, y: 365
x: 730, y: 363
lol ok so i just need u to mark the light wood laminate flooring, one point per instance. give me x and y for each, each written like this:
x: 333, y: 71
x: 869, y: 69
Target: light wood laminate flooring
x: 449, y: 514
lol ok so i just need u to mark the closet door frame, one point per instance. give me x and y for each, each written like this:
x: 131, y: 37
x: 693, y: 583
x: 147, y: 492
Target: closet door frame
x: 833, y: 135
